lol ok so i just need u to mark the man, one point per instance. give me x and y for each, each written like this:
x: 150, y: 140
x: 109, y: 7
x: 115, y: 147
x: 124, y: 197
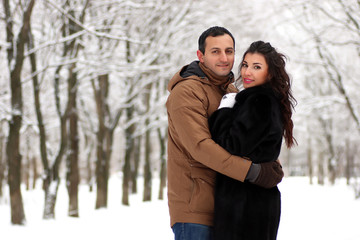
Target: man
x: 193, y: 157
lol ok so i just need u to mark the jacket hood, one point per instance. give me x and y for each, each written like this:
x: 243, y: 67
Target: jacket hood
x: 191, y: 71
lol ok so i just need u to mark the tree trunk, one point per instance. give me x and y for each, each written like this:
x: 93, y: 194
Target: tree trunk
x: 147, y: 166
x: 309, y: 160
x: 14, y: 172
x: 15, y: 62
x: 104, y: 140
x: 349, y: 164
x: 2, y: 163
x: 135, y: 166
x: 332, y: 161
x: 129, y: 136
x: 26, y: 166
x: 51, y: 186
x: 101, y: 173
x: 73, y: 153
x: 162, y: 164
x: 35, y: 171
x: 52, y: 178
x: 321, y: 173
x: 89, y: 145
x: 331, y: 158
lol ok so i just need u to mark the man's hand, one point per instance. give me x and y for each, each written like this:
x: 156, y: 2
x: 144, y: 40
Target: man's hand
x: 228, y: 100
x: 266, y: 175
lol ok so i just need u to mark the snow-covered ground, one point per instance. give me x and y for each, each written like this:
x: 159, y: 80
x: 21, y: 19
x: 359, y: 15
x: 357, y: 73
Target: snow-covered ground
x: 309, y: 212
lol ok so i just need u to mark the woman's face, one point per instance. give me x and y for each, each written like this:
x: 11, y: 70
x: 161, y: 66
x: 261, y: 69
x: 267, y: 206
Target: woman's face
x: 254, y: 70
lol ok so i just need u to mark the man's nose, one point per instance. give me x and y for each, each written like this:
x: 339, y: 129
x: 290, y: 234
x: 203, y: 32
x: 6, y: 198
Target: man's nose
x: 223, y: 57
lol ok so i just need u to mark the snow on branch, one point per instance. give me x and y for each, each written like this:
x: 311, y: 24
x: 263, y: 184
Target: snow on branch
x: 56, y: 42
x: 91, y: 29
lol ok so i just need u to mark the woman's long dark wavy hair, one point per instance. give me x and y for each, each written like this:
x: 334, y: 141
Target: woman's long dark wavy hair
x: 280, y: 83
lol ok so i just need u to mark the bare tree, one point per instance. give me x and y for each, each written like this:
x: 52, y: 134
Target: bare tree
x: 105, y: 133
x: 153, y: 57
x: 73, y: 153
x: 51, y: 166
x: 329, y: 38
x: 15, y: 62
x: 107, y: 115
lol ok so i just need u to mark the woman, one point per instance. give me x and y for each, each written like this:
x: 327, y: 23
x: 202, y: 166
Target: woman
x: 253, y: 128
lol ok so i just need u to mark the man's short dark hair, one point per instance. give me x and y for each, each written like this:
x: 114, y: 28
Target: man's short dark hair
x: 213, y: 32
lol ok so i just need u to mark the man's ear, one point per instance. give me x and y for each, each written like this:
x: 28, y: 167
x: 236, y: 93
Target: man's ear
x: 200, y: 56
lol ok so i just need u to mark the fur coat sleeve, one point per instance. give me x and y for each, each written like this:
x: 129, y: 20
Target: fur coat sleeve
x: 252, y: 128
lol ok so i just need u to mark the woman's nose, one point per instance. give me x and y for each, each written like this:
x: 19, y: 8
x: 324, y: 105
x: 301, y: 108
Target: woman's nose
x: 247, y: 71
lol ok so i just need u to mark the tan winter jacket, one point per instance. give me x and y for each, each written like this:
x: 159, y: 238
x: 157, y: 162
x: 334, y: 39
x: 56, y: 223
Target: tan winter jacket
x: 193, y: 157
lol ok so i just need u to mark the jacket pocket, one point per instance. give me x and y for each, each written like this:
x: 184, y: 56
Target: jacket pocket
x: 202, y: 195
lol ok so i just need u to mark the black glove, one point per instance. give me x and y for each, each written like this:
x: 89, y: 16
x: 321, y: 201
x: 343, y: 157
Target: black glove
x: 266, y: 175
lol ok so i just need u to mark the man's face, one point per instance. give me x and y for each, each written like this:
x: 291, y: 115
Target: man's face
x: 219, y: 54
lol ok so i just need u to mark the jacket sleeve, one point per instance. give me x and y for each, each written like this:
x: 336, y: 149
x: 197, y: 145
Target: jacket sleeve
x: 251, y: 129
x: 187, y: 111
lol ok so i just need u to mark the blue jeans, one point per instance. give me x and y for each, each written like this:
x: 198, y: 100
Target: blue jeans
x: 192, y: 231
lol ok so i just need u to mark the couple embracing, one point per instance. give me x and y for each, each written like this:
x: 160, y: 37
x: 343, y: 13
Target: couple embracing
x: 223, y: 144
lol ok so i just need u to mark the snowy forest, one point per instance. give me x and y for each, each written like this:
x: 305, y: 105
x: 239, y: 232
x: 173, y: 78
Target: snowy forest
x: 83, y: 88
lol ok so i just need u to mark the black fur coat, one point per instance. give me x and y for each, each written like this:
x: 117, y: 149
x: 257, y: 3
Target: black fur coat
x: 252, y: 129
